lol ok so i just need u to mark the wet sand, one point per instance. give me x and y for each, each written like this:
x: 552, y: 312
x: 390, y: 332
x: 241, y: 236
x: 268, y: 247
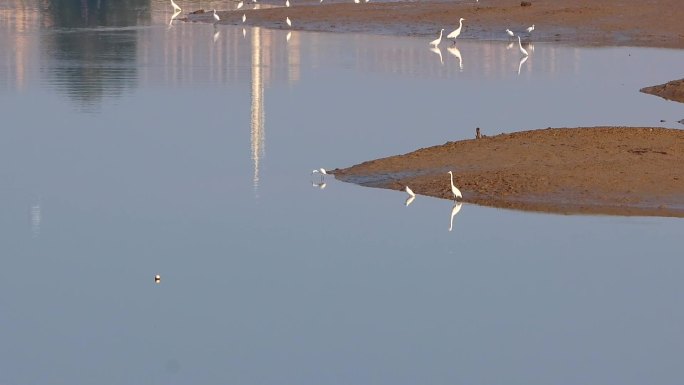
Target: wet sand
x: 656, y: 23
x: 597, y: 170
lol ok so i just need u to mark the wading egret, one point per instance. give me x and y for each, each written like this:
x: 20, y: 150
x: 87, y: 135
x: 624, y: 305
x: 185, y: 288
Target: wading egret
x: 357, y: 1
x: 530, y: 29
x: 289, y: 24
x: 244, y: 17
x: 175, y: 6
x: 216, y: 17
x: 287, y: 3
x: 409, y: 191
x: 455, y: 33
x: 438, y: 40
x: 454, y: 210
x: 320, y: 171
x: 454, y: 189
x: 240, y: 4
x: 510, y: 33
x: 522, y: 50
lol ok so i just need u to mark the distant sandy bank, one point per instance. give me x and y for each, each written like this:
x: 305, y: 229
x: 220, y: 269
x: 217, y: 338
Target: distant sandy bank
x: 595, y: 170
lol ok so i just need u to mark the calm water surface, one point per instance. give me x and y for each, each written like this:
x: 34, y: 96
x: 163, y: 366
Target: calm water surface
x: 131, y: 147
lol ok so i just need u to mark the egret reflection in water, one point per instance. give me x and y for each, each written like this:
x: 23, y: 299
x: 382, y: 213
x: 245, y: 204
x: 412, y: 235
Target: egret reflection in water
x: 522, y: 61
x: 456, y: 53
x: 438, y: 51
x: 454, y: 210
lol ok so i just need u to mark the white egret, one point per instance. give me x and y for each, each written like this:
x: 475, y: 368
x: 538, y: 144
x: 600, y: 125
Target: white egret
x: 175, y: 6
x: 357, y: 1
x: 522, y: 50
x: 454, y: 210
x: 455, y: 33
x: 320, y: 171
x: 510, y: 33
x: 409, y: 200
x: 454, y: 189
x: 240, y: 4
x: 287, y: 20
x: 287, y: 3
x: 216, y: 17
x: 530, y: 29
x: 409, y: 191
x: 438, y: 40
x: 522, y: 61
x: 244, y: 17
x: 454, y: 51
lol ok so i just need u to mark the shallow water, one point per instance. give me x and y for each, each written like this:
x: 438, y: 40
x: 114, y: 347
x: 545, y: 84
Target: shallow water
x: 132, y: 147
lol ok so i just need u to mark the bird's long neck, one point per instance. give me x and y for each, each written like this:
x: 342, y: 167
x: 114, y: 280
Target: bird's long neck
x: 460, y: 24
x: 451, y: 176
x: 440, y: 33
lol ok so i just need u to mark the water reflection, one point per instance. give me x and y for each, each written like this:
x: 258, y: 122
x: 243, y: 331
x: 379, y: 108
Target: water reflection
x: 438, y: 51
x: 522, y: 61
x: 257, y: 105
x: 456, y: 53
x: 454, y: 210
x: 36, y: 218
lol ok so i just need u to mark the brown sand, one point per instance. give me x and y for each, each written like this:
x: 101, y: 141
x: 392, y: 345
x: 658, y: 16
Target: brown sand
x: 600, y: 170
x: 655, y: 23
x: 673, y: 90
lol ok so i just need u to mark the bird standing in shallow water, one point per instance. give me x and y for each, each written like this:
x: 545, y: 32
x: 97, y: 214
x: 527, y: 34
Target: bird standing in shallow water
x: 438, y: 40
x: 530, y: 29
x: 216, y: 17
x: 289, y: 24
x: 409, y: 191
x: 455, y: 33
x: 510, y: 33
x: 454, y: 189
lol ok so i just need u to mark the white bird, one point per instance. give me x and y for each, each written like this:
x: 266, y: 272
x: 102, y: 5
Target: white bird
x: 409, y: 191
x: 438, y: 51
x: 411, y: 196
x: 530, y: 29
x: 320, y: 171
x: 175, y: 6
x: 455, y: 33
x: 454, y: 51
x: 287, y: 3
x: 510, y: 33
x: 244, y: 17
x: 240, y: 4
x: 287, y: 20
x: 438, y: 40
x: 357, y: 1
x: 454, y: 210
x: 454, y: 189
x: 522, y: 50
x: 216, y: 17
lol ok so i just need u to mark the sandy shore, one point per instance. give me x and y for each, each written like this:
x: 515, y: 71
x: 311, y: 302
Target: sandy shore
x: 598, y: 170
x: 656, y: 23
